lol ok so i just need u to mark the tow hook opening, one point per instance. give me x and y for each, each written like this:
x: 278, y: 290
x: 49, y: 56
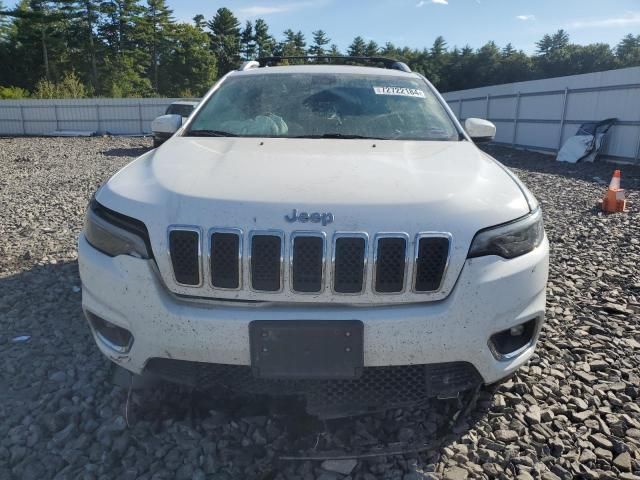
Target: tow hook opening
x: 114, y: 337
x: 511, y: 342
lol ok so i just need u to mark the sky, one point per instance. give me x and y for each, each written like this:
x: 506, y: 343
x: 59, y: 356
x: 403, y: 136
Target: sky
x: 416, y: 23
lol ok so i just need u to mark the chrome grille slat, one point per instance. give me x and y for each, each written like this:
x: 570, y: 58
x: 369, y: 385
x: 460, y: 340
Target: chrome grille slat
x: 399, y: 263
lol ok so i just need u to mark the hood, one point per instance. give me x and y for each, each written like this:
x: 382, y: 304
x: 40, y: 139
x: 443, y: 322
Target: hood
x: 256, y: 182
x: 367, y: 185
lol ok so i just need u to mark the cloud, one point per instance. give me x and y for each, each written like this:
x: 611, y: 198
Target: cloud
x: 629, y: 19
x: 258, y: 10
x: 422, y: 3
x: 526, y: 18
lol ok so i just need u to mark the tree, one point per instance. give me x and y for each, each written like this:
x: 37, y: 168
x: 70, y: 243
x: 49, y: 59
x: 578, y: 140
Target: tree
x: 189, y: 68
x: 334, y: 51
x: 154, y: 32
x: 628, y: 51
x: 372, y: 49
x: 199, y: 21
x: 264, y: 42
x: 225, y: 39
x: 293, y: 45
x: 69, y: 87
x: 357, y: 48
x: 552, y: 43
x: 320, y: 40
x: 247, y: 41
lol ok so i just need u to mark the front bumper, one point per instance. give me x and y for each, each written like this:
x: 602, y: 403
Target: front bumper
x: 491, y: 295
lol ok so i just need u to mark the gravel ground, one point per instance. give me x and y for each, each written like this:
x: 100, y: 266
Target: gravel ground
x: 572, y: 412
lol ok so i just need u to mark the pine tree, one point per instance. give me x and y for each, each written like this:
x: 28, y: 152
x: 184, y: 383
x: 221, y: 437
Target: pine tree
x: 247, y: 41
x: 628, y: 51
x: 334, y: 51
x: 357, y: 48
x: 320, y: 39
x: 125, y: 71
x: 154, y: 32
x: 372, y: 49
x: 189, y: 68
x: 225, y: 39
x: 264, y: 41
x: 198, y: 21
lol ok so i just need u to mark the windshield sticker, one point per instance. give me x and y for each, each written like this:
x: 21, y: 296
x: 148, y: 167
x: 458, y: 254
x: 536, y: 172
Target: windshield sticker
x: 402, y: 91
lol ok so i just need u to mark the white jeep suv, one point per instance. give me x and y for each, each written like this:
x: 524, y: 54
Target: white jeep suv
x: 321, y: 230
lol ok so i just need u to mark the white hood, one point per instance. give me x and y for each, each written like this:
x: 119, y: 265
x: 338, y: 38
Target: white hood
x: 368, y: 185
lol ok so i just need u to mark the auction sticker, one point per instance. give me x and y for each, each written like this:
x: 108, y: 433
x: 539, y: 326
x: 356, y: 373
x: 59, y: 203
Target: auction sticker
x: 402, y: 91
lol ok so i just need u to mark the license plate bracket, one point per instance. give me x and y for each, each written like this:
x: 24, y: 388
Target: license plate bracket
x: 307, y: 349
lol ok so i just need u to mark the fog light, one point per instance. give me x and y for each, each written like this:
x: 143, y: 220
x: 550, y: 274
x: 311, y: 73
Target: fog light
x: 511, y: 342
x: 116, y: 338
x: 516, y: 331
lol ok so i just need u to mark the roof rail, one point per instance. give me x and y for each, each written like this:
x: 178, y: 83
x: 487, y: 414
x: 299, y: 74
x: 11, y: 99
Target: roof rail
x: 387, y: 62
x: 248, y: 65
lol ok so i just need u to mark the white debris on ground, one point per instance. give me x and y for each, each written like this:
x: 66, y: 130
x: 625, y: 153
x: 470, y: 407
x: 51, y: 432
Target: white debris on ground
x: 573, y: 411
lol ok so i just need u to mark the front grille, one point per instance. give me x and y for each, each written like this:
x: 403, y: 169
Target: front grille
x: 225, y: 260
x: 376, y: 386
x: 431, y: 262
x: 266, y: 262
x: 399, y: 264
x: 307, y: 264
x: 184, y: 248
x: 390, y: 264
x: 350, y: 255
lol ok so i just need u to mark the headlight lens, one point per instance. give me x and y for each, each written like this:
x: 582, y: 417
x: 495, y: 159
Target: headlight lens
x: 115, y: 234
x: 509, y: 240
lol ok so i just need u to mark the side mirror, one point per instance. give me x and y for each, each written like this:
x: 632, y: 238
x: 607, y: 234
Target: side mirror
x: 167, y: 124
x: 480, y: 130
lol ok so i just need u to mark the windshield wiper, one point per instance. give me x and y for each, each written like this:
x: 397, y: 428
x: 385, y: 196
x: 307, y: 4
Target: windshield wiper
x: 338, y: 135
x: 209, y: 133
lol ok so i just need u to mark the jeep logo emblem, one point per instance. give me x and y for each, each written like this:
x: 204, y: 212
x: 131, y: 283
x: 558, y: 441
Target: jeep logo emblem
x: 314, y: 217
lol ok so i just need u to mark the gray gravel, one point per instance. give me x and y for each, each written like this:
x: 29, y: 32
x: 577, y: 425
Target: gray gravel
x: 573, y: 412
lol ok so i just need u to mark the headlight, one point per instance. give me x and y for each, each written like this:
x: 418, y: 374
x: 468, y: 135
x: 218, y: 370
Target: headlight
x: 115, y: 234
x: 509, y: 240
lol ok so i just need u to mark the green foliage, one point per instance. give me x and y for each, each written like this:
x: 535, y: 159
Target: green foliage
x: 225, y: 39
x: 135, y: 48
x: 189, y: 68
x: 13, y: 93
x: 247, y: 41
x: 357, y: 48
x: 320, y: 40
x: 265, y: 43
x: 69, y: 87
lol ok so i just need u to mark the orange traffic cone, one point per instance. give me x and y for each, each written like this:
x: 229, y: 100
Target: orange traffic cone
x: 613, y: 200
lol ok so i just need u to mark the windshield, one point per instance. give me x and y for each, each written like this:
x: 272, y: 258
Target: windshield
x: 179, y: 109
x: 310, y: 105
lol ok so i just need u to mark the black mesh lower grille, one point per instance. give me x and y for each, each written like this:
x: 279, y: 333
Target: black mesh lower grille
x: 307, y: 264
x: 377, y: 385
x: 183, y: 247
x: 390, y: 266
x: 348, y: 275
x: 266, y: 256
x: 225, y: 260
x: 431, y: 262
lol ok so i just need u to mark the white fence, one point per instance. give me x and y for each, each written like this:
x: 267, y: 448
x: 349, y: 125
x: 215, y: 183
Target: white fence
x: 542, y: 114
x: 117, y: 116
